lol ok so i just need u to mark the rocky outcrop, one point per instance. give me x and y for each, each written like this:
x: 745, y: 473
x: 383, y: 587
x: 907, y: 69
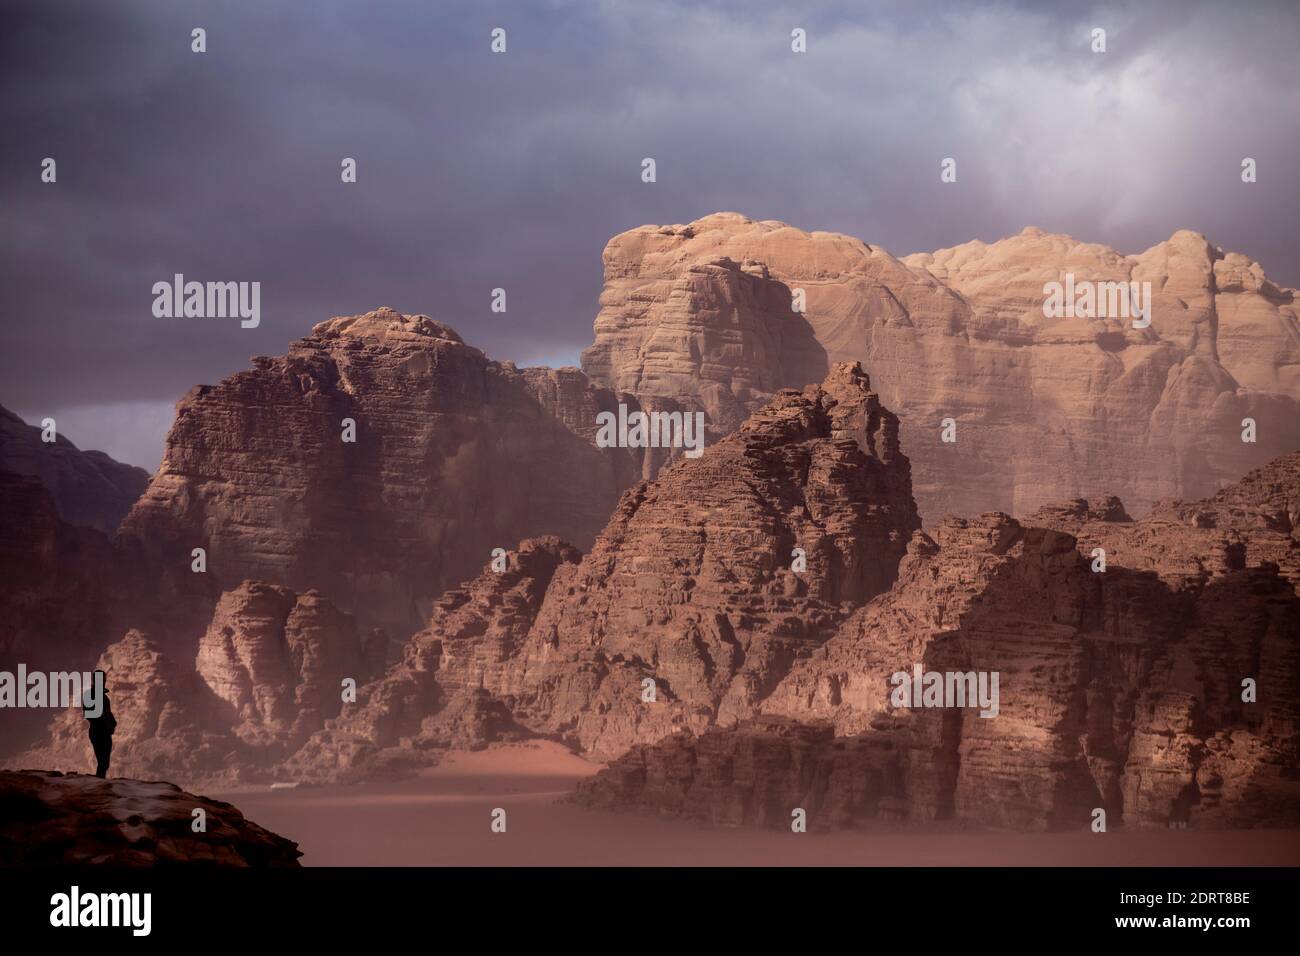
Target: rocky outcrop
x: 89, y: 488
x: 709, y: 582
x: 1045, y: 409
x: 268, y: 674
x: 454, y: 455
x: 1251, y: 522
x: 167, y: 722
x: 52, y: 819
x: 708, y: 330
x: 277, y: 662
x: 1123, y: 689
x: 438, y: 695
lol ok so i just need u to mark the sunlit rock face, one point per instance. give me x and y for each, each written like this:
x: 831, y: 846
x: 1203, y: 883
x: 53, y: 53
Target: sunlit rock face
x: 1045, y: 409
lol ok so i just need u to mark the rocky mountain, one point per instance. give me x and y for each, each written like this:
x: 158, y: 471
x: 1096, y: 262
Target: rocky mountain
x: 729, y: 641
x: 729, y: 637
x: 697, y: 598
x: 1045, y: 409
x: 53, y: 819
x: 710, y: 582
x: 277, y: 661
x: 379, y: 462
x: 88, y: 487
x: 1123, y: 689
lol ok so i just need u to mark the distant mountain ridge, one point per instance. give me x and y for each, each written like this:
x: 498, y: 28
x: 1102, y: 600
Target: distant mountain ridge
x: 89, y: 487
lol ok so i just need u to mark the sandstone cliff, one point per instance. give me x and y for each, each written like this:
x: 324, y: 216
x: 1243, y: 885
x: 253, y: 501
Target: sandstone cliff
x: 692, y: 586
x: 1045, y: 409
x: 1120, y: 689
x: 441, y: 693
x: 268, y: 674
x: 690, y: 607
x: 454, y: 455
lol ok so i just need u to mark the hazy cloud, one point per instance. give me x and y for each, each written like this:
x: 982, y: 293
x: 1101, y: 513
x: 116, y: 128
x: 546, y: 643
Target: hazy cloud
x: 477, y: 171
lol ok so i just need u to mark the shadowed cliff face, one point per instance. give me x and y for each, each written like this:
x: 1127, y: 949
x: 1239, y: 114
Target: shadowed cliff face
x: 63, y: 598
x: 65, y: 593
x: 1045, y: 409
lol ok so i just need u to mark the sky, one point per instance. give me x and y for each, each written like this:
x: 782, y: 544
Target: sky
x: 478, y: 170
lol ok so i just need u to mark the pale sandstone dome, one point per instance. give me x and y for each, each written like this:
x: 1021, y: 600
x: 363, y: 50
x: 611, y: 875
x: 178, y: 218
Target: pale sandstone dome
x: 1046, y: 409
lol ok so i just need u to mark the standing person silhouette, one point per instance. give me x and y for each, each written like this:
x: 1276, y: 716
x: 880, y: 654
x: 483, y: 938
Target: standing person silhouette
x: 101, y: 736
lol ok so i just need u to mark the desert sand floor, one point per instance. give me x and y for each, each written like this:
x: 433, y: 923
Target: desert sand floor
x: 442, y: 818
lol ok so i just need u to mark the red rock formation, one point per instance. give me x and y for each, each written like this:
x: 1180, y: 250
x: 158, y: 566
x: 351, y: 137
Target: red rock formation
x: 55, y: 820
x: 277, y: 661
x: 710, y: 331
x: 1120, y: 690
x: 89, y: 488
x: 268, y: 674
x: 454, y: 456
x: 436, y: 696
x: 167, y: 721
x: 690, y: 588
x: 1249, y: 523
x: 691, y: 584
x: 1046, y: 409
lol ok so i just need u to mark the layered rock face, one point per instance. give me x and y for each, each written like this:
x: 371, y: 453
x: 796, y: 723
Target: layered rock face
x: 714, y: 333
x: 1249, y: 523
x: 687, y: 611
x: 88, y: 487
x: 1119, y: 689
x: 166, y: 721
x: 690, y: 594
x: 277, y: 662
x: 453, y: 456
x: 441, y: 693
x: 1045, y: 409
x: 51, y: 819
x: 269, y: 673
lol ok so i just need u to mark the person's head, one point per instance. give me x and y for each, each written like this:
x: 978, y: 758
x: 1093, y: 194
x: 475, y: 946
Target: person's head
x: 94, y: 699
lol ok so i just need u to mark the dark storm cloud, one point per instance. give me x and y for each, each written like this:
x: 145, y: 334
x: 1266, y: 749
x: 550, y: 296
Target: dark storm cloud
x: 477, y: 171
